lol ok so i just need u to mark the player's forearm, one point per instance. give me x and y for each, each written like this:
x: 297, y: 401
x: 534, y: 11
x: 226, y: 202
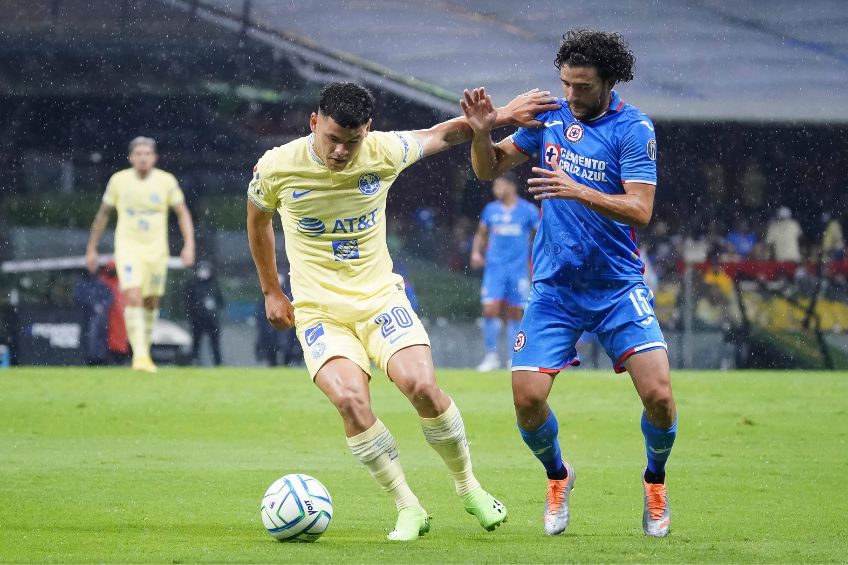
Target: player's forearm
x: 454, y: 132
x: 485, y: 159
x: 260, y: 236
x: 98, y: 226
x: 186, y: 227
x: 478, y: 244
x: 625, y: 208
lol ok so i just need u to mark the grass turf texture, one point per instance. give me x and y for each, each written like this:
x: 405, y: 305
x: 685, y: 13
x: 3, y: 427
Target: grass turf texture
x: 104, y: 465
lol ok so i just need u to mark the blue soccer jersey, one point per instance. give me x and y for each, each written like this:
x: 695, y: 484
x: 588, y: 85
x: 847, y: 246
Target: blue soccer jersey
x: 510, y: 229
x: 574, y: 242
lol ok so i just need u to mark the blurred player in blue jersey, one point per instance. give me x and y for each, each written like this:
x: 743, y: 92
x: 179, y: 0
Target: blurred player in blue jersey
x: 596, y: 180
x: 502, y: 248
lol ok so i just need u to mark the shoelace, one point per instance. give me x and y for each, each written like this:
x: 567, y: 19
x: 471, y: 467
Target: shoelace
x: 656, y: 500
x: 556, y: 495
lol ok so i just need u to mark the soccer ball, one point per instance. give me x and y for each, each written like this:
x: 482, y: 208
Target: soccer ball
x: 296, y: 508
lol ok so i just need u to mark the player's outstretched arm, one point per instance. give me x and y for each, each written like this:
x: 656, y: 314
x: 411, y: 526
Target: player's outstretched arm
x: 489, y: 160
x: 521, y: 111
x: 98, y: 226
x: 478, y: 246
x: 634, y: 208
x: 187, y: 230
x: 260, y: 236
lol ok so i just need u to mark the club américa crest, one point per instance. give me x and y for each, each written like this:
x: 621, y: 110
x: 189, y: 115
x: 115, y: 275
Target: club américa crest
x: 369, y: 183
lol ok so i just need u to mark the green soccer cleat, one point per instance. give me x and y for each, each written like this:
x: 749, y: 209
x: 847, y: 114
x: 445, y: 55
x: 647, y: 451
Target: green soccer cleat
x: 411, y: 523
x: 489, y: 510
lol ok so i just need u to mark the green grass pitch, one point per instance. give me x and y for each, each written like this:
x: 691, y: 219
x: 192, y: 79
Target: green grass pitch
x: 109, y: 466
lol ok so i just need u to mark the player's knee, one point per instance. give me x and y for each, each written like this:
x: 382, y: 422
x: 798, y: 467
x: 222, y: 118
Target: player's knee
x: 353, y: 406
x: 422, y: 390
x: 659, y: 401
x: 527, y: 403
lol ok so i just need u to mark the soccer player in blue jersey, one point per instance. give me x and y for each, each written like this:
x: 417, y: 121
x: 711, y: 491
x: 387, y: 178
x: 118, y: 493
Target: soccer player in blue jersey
x: 596, y: 180
x: 502, y: 248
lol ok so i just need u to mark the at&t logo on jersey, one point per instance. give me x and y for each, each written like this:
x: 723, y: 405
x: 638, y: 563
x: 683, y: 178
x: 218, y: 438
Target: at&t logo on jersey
x: 312, y: 227
x: 369, y: 183
x: 574, y: 133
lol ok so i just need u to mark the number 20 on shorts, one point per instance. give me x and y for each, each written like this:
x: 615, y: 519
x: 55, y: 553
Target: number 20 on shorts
x: 389, y: 322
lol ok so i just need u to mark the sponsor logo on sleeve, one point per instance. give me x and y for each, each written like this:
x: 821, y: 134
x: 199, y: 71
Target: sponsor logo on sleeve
x: 652, y: 149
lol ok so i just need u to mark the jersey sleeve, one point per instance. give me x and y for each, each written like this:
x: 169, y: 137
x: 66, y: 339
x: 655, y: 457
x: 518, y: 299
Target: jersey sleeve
x: 110, y: 197
x: 527, y: 140
x: 260, y: 191
x: 486, y: 215
x: 534, y: 217
x: 403, y: 148
x: 639, y: 153
x: 175, y: 193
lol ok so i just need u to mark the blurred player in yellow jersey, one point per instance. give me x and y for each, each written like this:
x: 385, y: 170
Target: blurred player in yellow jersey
x: 349, y: 308
x: 142, y: 195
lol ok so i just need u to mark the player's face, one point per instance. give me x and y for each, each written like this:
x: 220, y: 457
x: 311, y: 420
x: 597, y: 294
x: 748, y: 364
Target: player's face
x: 503, y: 189
x: 587, y: 93
x: 335, y: 145
x: 142, y: 158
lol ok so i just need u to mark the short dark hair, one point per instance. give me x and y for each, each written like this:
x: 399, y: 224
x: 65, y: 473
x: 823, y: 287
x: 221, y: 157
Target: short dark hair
x: 348, y: 103
x: 509, y: 177
x: 608, y: 52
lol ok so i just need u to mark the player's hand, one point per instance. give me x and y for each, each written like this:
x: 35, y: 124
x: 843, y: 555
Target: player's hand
x: 477, y: 261
x: 187, y: 256
x: 553, y: 184
x: 279, y: 311
x: 523, y: 109
x: 91, y: 260
x: 479, y: 110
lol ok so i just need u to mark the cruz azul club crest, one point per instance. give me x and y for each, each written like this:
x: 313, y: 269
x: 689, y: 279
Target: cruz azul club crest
x: 574, y: 133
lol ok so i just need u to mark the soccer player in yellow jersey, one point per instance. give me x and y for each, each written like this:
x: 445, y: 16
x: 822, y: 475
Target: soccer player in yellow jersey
x: 142, y: 195
x: 349, y: 308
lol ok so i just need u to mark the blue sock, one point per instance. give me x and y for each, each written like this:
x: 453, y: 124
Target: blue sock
x: 491, y: 333
x: 544, y: 444
x: 658, y: 444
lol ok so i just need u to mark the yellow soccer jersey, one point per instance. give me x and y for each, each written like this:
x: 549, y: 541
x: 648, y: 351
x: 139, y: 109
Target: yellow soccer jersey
x: 334, y: 222
x: 142, y: 206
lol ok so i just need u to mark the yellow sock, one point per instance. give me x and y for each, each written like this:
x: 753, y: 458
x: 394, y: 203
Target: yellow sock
x: 150, y: 317
x: 134, y: 320
x: 377, y: 450
x: 446, y: 434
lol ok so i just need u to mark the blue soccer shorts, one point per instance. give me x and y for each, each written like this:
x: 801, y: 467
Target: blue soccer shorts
x: 621, y: 313
x: 508, y: 285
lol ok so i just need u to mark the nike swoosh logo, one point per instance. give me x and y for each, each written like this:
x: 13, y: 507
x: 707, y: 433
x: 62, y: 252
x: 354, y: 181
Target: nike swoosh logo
x: 552, y: 124
x: 297, y: 195
x: 397, y: 337
x: 660, y: 451
x: 647, y: 125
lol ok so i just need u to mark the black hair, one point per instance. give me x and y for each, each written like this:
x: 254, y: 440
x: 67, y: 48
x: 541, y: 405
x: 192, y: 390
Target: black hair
x: 348, y: 103
x: 509, y: 177
x: 608, y: 52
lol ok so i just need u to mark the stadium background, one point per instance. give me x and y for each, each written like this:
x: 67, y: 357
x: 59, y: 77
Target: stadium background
x: 748, y: 106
